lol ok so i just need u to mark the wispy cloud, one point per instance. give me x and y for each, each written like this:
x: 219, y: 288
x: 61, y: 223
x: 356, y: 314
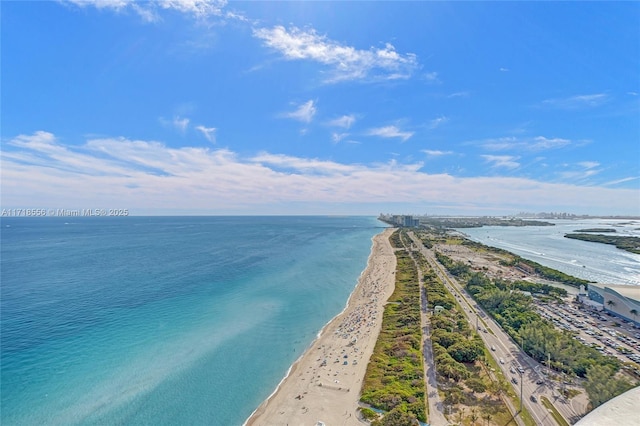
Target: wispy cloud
x: 149, y: 11
x: 581, y: 170
x: 304, y: 112
x: 345, y: 121
x: 576, y: 102
x: 337, y: 137
x: 344, y: 62
x: 390, y: 132
x: 179, y: 123
x: 208, y: 132
x: 502, y: 161
x: 619, y: 181
x: 138, y: 174
x: 512, y: 143
x: 436, y: 153
x: 437, y: 122
x: 458, y: 95
x: 431, y: 77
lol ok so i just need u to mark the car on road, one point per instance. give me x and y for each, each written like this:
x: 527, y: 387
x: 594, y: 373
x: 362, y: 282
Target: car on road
x: 521, y: 370
x: 512, y: 370
x: 501, y: 361
x: 514, y: 380
x: 539, y: 382
x: 533, y: 398
x: 493, y: 348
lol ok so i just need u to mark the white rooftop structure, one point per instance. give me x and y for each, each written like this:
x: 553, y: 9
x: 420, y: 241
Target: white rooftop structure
x: 622, y: 410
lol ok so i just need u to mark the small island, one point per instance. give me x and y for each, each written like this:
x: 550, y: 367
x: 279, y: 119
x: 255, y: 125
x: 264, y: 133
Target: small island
x: 595, y: 230
x: 630, y: 244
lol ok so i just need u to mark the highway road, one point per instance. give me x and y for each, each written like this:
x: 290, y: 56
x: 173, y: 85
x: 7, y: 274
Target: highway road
x: 503, y: 348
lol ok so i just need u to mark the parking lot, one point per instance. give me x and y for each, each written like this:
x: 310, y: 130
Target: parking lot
x: 609, y: 335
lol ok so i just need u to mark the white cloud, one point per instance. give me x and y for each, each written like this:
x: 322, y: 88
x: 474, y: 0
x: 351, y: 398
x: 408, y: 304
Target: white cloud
x: 459, y: 95
x: 502, y: 69
x: 538, y: 143
x: 436, y: 153
x: 337, y: 137
x: 589, y: 164
x: 502, y: 161
x: 208, y: 132
x: 179, y: 123
x: 345, y: 121
x: 623, y: 180
x: 304, y: 112
x: 344, y: 62
x: 390, y: 132
x: 148, y: 10
x: 579, y: 101
x: 149, y: 176
x: 431, y: 77
x: 437, y: 122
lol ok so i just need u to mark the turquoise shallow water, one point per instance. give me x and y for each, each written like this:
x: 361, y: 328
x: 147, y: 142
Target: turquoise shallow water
x: 151, y: 320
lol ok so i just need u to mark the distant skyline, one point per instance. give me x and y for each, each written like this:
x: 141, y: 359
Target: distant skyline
x: 209, y: 107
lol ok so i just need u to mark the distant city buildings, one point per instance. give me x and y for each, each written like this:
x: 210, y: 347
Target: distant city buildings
x: 400, y: 220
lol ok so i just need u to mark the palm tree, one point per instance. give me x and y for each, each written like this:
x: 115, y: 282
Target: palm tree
x: 487, y: 418
x: 473, y: 416
x: 611, y: 303
x: 634, y: 312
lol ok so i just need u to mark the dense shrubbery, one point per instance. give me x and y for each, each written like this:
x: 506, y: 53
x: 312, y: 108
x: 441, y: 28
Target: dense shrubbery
x: 394, y: 381
x: 601, y: 385
x: 451, y: 338
x: 515, y: 313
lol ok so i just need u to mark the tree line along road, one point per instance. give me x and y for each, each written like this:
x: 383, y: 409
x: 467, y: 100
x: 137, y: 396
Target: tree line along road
x: 506, y: 353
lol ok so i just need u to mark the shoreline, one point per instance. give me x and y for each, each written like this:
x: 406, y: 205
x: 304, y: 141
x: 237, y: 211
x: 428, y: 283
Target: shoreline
x: 324, y: 383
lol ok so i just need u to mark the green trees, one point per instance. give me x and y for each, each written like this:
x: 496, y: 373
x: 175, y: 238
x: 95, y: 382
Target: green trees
x: 517, y: 316
x: 602, y: 385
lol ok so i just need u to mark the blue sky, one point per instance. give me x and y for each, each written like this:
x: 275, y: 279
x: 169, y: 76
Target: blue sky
x: 202, y: 107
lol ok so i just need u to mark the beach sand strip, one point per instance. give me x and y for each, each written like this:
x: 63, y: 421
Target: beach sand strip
x: 324, y: 384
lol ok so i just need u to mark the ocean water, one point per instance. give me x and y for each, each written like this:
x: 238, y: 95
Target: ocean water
x: 165, y: 320
x: 547, y: 245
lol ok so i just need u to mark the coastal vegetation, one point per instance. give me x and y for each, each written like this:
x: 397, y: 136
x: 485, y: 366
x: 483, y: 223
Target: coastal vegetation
x: 515, y: 312
x: 511, y: 305
x: 394, y: 381
x: 460, y: 357
x: 602, y: 385
x: 478, y: 222
x: 630, y: 244
x: 510, y: 259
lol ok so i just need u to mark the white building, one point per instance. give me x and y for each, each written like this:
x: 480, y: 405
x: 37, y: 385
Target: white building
x: 620, y: 300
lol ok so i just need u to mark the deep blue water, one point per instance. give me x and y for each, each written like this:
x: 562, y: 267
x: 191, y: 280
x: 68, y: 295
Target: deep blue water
x: 165, y: 320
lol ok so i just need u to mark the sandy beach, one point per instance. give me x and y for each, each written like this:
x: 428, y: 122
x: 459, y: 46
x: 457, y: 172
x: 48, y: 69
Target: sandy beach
x: 323, y: 385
